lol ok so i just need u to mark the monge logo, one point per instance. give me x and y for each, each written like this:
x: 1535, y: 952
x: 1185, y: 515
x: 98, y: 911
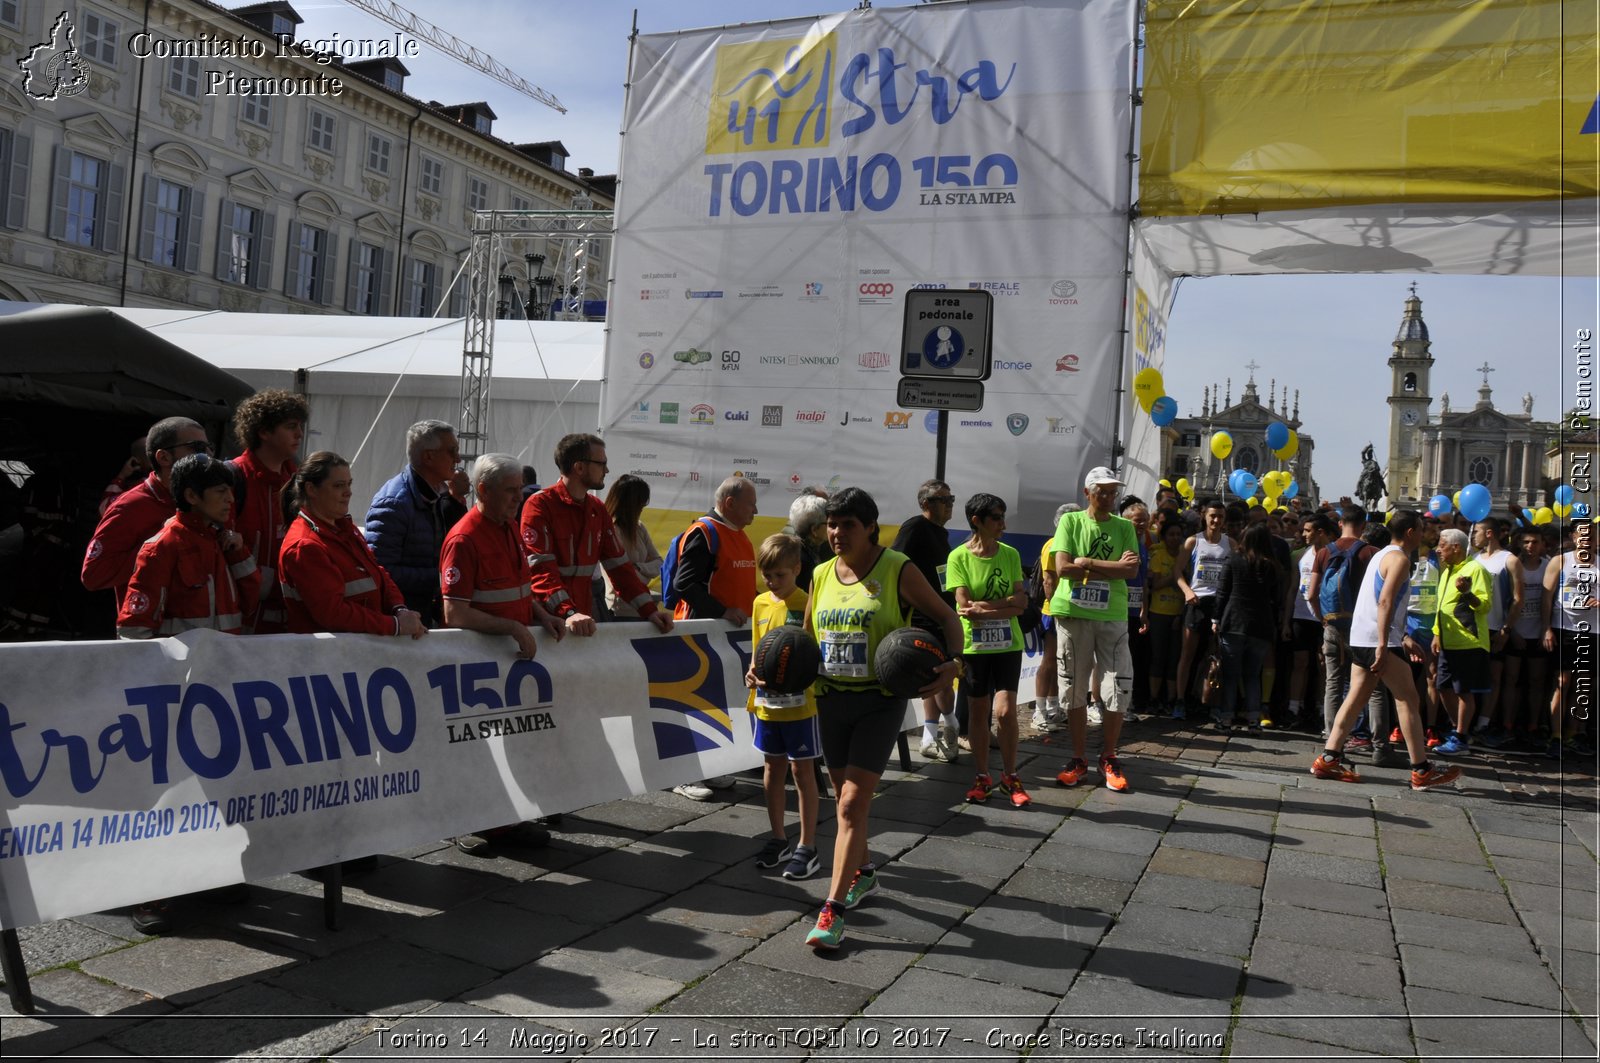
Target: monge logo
x: 772, y: 95
x: 688, y: 697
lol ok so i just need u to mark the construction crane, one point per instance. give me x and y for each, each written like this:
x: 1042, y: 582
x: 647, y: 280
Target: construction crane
x: 454, y: 47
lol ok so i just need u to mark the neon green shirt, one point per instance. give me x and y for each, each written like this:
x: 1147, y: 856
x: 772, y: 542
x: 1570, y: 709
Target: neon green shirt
x: 987, y: 579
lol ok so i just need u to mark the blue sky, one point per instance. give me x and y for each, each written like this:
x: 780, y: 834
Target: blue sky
x: 1329, y: 336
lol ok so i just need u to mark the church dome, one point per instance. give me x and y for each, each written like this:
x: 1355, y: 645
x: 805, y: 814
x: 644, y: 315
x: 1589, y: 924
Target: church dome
x: 1412, y: 327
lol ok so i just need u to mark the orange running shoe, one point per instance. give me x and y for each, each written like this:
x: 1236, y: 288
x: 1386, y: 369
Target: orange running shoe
x: 980, y: 790
x: 1339, y: 769
x: 1115, y: 780
x: 1073, y: 773
x: 1434, y: 775
x: 1011, y: 786
x: 1395, y: 737
x: 1433, y: 739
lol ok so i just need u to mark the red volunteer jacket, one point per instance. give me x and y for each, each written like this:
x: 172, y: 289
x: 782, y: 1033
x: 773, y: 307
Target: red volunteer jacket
x: 567, y: 538
x: 182, y: 581
x: 331, y: 581
x: 135, y: 516
x: 484, y: 565
x: 259, y: 521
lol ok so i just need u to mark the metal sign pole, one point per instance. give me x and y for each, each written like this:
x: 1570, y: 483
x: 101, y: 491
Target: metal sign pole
x: 940, y: 439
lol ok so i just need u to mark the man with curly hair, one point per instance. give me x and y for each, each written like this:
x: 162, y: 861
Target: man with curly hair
x: 269, y: 426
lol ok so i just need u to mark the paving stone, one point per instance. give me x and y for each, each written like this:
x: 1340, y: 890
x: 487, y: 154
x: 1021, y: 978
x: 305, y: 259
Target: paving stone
x: 63, y: 941
x: 933, y: 1014
x: 1270, y: 997
x: 1548, y: 872
x: 1530, y: 897
x: 1150, y: 811
x: 186, y: 967
x: 966, y: 890
x: 862, y: 960
x: 252, y: 1020
x: 1496, y: 976
x: 662, y: 948
x: 1358, y: 1034
x: 1018, y: 942
x: 71, y: 1009
x: 419, y: 889
x: 1567, y: 851
x: 1217, y: 867
x: 663, y: 868
x: 781, y: 893
x: 640, y: 816
x: 1445, y: 872
x: 384, y: 977
x: 572, y: 992
x: 1481, y: 905
x: 1194, y: 931
x: 1446, y: 1022
x: 583, y: 900
x: 1360, y: 825
x: 502, y: 936
x: 999, y: 825
x: 1575, y: 970
x: 1121, y: 867
x: 1199, y: 894
x: 1066, y: 890
x: 437, y: 1032
x: 1538, y: 828
x: 1353, y: 973
x: 1347, y: 846
x: 588, y: 838
x: 1143, y: 1017
x: 902, y: 917
x: 728, y: 911
x: 509, y: 863
x: 1553, y: 931
x: 1250, y: 843
x: 1327, y: 868
x: 766, y: 998
x: 962, y: 858
x: 1459, y: 935
x: 907, y: 810
x: 1462, y: 849
x: 1162, y: 967
x: 1308, y: 926
x: 1111, y: 838
x: 1258, y: 1044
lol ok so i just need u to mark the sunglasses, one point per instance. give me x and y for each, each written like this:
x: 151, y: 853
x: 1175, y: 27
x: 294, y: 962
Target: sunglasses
x: 199, y: 446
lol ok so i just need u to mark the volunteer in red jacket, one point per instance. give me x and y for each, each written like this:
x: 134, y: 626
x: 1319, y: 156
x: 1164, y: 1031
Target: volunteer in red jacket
x: 194, y: 573
x: 269, y: 426
x: 567, y: 533
x: 139, y: 513
x: 331, y: 582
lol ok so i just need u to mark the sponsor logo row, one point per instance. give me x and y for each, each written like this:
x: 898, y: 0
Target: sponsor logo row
x: 734, y: 361
x: 704, y: 415
x: 873, y: 292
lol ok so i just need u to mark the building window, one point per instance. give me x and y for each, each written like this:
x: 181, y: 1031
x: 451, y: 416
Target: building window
x: 477, y: 193
x: 320, y: 133
x: 82, y: 185
x: 257, y: 110
x: 1481, y: 471
x: 1410, y: 382
x: 282, y: 26
x: 183, y: 76
x: 310, y: 266
x: 483, y: 123
x: 365, y: 291
x: 1247, y: 459
x: 100, y: 38
x: 393, y: 80
x: 1191, y: 439
x: 378, y: 149
x: 421, y: 281
x: 244, y: 244
x: 8, y: 13
x: 169, y: 230
x: 16, y: 157
x: 432, y: 180
x: 521, y: 203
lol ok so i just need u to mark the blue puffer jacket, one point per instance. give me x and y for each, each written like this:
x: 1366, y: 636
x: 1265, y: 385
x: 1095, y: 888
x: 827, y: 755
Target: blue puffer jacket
x: 406, y: 526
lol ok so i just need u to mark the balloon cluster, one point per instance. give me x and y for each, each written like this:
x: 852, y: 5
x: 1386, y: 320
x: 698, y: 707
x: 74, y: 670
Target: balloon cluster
x: 1151, y: 391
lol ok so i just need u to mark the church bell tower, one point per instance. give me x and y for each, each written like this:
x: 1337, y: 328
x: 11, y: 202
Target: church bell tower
x: 1408, y: 404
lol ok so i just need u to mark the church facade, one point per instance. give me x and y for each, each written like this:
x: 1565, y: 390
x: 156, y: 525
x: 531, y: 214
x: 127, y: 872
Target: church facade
x: 1186, y: 442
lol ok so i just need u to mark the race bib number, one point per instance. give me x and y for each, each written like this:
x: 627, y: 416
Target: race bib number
x: 991, y: 635
x: 768, y: 700
x: 1135, y: 597
x: 1424, y: 598
x: 1092, y: 594
x: 1208, y: 573
x: 844, y: 654
x: 1531, y: 603
x: 1574, y: 596
x: 940, y: 571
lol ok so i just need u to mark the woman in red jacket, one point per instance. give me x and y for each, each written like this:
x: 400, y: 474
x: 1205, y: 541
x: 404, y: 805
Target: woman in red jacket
x: 331, y: 582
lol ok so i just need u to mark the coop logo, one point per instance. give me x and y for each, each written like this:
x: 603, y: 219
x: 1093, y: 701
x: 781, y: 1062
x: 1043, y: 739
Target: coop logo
x: 646, y: 359
x: 1016, y: 423
x: 874, y: 293
x: 701, y: 414
x: 811, y: 416
x: 772, y: 417
x: 997, y: 288
x: 653, y: 293
x: 55, y: 69
x: 1059, y: 429
x: 873, y: 360
x: 772, y: 95
x: 897, y: 419
x: 669, y: 413
x: 640, y: 412
x: 1064, y: 293
x: 692, y: 293
x: 736, y: 415
x: 688, y: 696
x: 1067, y: 363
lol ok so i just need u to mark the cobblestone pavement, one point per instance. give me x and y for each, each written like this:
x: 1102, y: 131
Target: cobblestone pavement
x: 1229, y: 906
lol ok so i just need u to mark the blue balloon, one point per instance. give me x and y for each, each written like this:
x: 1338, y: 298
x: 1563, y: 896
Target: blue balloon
x: 1564, y: 495
x: 1277, y: 435
x: 1233, y: 480
x: 1476, y: 502
x: 1527, y: 515
x: 1439, y: 505
x: 1292, y: 490
x: 1164, y: 411
x: 1244, y: 484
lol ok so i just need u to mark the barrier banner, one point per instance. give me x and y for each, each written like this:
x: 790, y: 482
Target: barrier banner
x: 1299, y: 104
x: 138, y: 770
x: 784, y: 184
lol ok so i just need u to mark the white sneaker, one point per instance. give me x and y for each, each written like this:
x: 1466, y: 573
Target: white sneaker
x: 1094, y: 715
x: 930, y: 749
x: 946, y: 743
x: 1040, y: 721
x: 694, y: 791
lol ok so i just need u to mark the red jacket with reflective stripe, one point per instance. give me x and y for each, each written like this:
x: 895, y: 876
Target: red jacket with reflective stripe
x: 182, y: 581
x: 259, y: 521
x: 331, y: 581
x: 484, y: 565
x: 135, y: 516
x: 569, y: 540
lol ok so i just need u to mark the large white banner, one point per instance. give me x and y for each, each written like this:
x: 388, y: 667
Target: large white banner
x: 784, y: 184
x: 1153, y: 295
x: 136, y: 770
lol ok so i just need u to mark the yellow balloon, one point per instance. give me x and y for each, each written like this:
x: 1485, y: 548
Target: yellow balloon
x: 1455, y: 500
x: 1543, y: 515
x: 1291, y: 448
x: 1252, y: 501
x: 1182, y: 487
x: 1221, y: 444
x: 1270, y: 505
x: 1148, y: 387
x: 1166, y: 483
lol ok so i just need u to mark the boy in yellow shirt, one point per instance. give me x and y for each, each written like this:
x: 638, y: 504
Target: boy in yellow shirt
x: 786, y: 724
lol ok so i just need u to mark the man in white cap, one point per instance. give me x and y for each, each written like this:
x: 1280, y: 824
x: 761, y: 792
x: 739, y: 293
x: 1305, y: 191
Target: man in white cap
x: 1095, y: 552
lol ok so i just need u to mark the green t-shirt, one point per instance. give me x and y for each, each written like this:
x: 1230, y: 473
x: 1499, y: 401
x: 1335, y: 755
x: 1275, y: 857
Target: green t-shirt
x: 1080, y: 535
x: 987, y: 579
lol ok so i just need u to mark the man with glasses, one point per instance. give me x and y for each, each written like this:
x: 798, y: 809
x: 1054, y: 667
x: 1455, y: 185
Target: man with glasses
x: 139, y: 513
x: 927, y: 545
x: 411, y: 515
x: 568, y: 533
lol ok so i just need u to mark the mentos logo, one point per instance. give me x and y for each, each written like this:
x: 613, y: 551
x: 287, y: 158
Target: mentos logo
x: 688, y: 697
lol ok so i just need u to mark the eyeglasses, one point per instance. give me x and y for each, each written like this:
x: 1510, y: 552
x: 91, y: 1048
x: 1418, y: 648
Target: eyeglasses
x: 198, y: 446
x: 944, y: 500
x: 596, y: 461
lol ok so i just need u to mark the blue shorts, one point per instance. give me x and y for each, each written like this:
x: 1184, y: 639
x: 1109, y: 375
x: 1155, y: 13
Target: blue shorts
x: 795, y: 739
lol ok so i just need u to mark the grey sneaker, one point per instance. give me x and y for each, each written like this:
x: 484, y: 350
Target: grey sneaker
x: 946, y: 743
x: 803, y: 864
x: 775, y: 852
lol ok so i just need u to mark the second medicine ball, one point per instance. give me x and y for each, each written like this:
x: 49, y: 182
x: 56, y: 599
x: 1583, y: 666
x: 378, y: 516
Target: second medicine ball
x: 905, y: 659
x: 787, y: 660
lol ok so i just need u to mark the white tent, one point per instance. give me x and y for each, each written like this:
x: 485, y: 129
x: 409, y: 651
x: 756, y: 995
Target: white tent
x: 368, y: 378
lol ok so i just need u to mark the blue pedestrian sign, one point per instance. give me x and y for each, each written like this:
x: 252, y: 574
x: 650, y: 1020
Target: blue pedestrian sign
x: 947, y: 334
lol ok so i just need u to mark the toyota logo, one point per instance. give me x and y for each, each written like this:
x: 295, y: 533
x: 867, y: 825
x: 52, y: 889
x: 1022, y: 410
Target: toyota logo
x: 877, y: 289
x: 1064, y: 289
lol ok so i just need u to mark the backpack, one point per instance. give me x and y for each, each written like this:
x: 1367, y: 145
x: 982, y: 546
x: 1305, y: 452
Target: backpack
x: 669, y: 563
x: 1033, y: 612
x: 1341, y: 578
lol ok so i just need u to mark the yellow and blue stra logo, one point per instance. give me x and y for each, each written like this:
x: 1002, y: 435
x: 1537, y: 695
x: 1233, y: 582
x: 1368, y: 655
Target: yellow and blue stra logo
x: 688, y: 697
x: 772, y: 95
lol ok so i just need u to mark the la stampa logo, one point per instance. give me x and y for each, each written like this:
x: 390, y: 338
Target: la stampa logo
x: 55, y: 69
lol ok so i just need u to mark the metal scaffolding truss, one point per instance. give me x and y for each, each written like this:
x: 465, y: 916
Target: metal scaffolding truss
x: 565, y: 241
